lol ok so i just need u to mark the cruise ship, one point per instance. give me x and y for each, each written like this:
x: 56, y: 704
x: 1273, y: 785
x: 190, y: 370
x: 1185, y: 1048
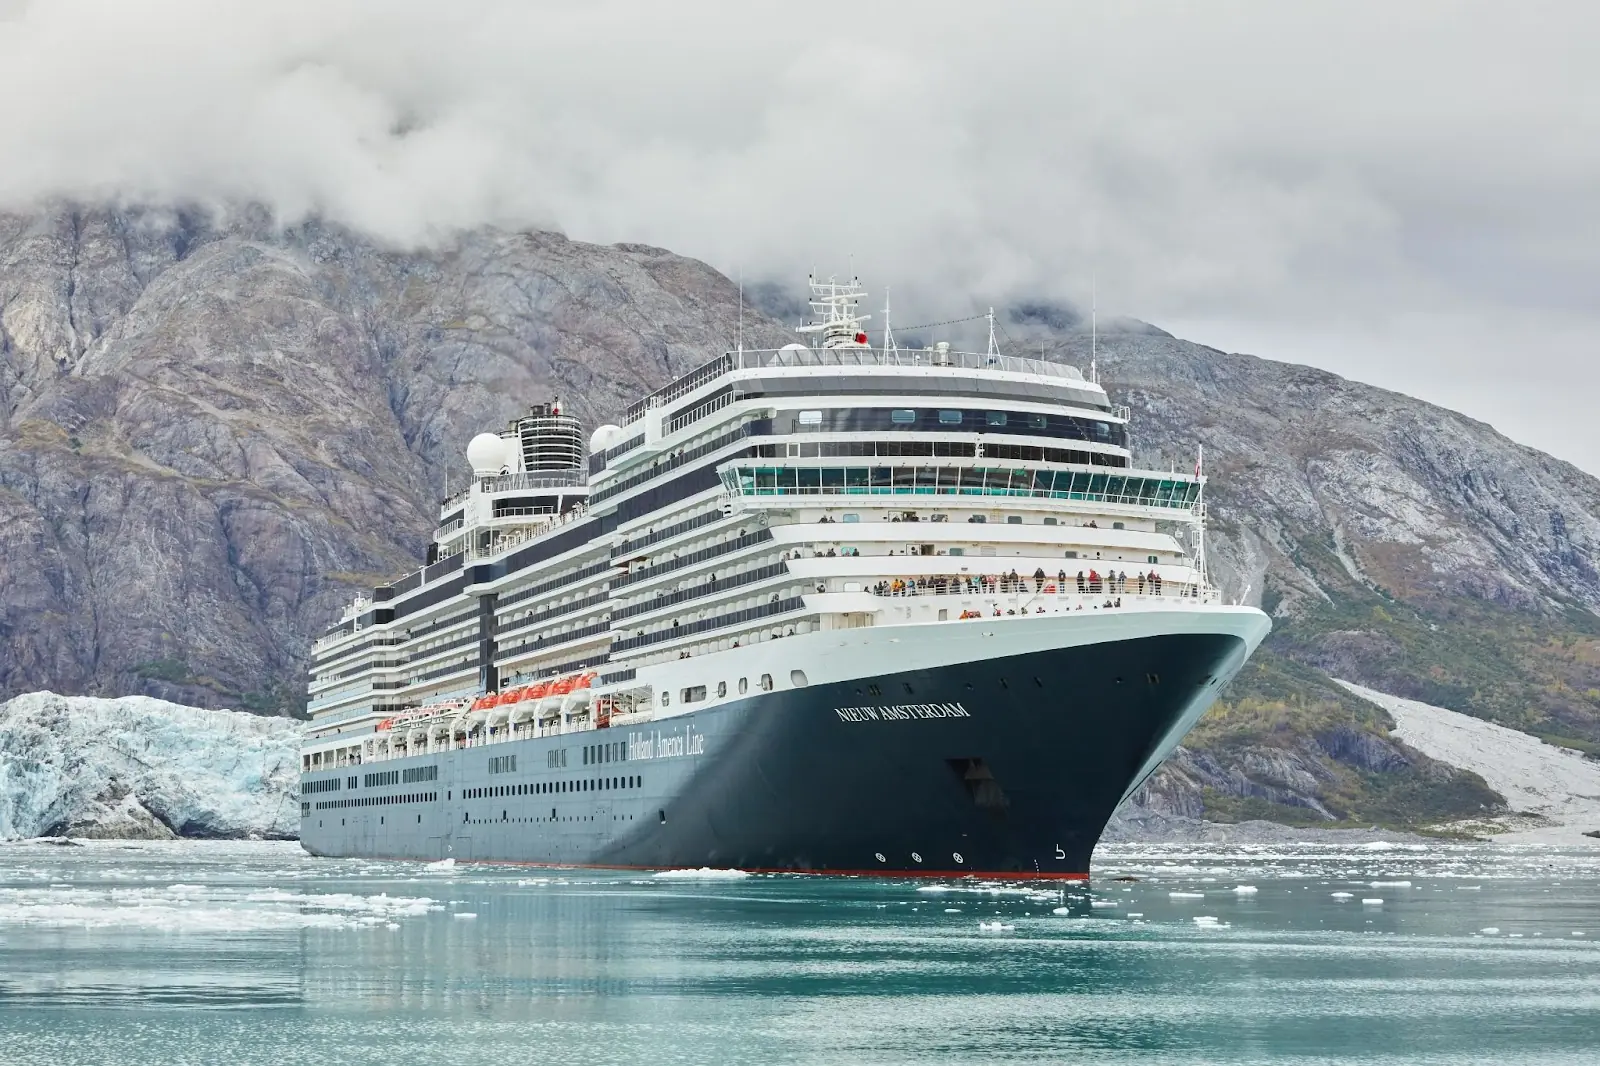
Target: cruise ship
x: 830, y: 608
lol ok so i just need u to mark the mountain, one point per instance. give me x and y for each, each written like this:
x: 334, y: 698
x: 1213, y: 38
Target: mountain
x: 214, y: 430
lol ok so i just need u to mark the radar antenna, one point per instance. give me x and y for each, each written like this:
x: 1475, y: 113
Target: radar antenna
x: 835, y: 305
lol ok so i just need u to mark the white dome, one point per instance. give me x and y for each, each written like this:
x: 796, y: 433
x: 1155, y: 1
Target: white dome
x: 794, y: 348
x: 491, y: 454
x: 603, y: 437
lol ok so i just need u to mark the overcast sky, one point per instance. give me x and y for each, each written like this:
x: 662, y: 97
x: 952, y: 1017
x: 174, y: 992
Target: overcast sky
x: 1406, y: 193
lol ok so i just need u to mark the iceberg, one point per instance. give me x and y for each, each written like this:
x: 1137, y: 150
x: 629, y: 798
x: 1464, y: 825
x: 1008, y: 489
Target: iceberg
x: 144, y: 768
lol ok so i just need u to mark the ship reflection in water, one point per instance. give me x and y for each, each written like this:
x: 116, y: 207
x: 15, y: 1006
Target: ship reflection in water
x: 159, y: 953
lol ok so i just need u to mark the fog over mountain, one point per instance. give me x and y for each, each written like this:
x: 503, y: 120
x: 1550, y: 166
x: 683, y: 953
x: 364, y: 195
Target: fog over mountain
x: 1403, y: 195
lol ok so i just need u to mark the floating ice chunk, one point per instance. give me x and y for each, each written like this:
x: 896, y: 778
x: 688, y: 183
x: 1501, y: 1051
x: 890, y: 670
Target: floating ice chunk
x: 952, y: 910
x: 1469, y: 888
x: 1186, y: 895
x: 442, y: 866
x: 1205, y: 921
x: 704, y: 873
x: 1102, y: 903
x: 463, y: 914
x: 1068, y: 910
x: 1341, y: 895
x: 1514, y: 936
x: 1244, y: 890
x: 1136, y: 914
x: 994, y: 927
x: 392, y: 925
x: 1378, y: 845
x: 1388, y: 884
x: 933, y: 888
x: 1372, y: 901
x: 1577, y: 932
x: 1489, y: 930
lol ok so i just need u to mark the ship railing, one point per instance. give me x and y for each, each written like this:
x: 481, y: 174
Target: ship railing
x: 949, y: 359
x: 766, y: 358
x: 1137, y: 589
x: 543, y: 479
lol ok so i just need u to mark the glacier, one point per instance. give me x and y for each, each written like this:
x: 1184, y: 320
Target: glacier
x: 139, y: 767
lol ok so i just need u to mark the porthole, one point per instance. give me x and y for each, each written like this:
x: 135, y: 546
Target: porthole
x: 722, y: 689
x: 766, y: 682
x: 744, y: 685
x: 957, y: 857
x: 797, y: 678
x: 916, y: 857
x: 879, y: 856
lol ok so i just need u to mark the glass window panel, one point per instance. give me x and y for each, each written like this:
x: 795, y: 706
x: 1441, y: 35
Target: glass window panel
x: 949, y: 418
x: 902, y: 416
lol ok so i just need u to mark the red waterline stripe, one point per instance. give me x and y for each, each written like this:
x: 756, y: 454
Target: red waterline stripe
x: 987, y: 875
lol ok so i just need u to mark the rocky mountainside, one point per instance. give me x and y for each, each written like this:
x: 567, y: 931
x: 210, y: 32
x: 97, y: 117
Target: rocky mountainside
x: 212, y: 434
x: 213, y: 431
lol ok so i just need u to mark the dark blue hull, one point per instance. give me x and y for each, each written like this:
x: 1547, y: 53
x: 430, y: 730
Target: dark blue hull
x: 1008, y: 766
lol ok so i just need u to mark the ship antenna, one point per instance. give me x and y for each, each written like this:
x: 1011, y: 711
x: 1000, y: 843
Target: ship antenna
x: 993, y: 351
x: 1094, y: 329
x: 1200, y: 511
x: 888, y: 333
x: 741, y: 316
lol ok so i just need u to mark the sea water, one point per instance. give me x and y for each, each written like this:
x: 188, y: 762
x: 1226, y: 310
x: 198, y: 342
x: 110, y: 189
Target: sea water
x: 236, y: 954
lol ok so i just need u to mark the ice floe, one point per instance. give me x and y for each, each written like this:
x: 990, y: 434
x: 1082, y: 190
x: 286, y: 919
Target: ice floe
x: 1186, y: 895
x: 704, y: 873
x: 994, y: 927
x: 1244, y: 890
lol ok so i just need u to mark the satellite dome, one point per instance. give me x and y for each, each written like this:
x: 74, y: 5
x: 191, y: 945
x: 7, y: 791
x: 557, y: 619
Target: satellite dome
x: 490, y: 454
x: 603, y: 437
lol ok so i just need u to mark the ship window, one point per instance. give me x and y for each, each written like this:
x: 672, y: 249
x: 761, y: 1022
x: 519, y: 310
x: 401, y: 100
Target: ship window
x: 744, y: 685
x: 1102, y: 430
x: 693, y: 694
x: 1038, y: 422
x: 851, y: 517
x: 1118, y: 525
x: 996, y: 418
x: 949, y: 418
x: 722, y: 689
x: 1013, y: 520
x: 1070, y: 555
x: 902, y: 416
x: 1049, y: 521
x: 1152, y: 559
x: 797, y: 678
x: 666, y: 699
x: 766, y: 682
x: 978, y: 518
x: 810, y: 418
x: 958, y: 551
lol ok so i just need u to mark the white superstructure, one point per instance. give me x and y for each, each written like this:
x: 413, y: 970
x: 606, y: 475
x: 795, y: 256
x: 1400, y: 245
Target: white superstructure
x: 771, y: 520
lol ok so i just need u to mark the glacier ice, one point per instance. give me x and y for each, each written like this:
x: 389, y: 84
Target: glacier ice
x: 136, y: 766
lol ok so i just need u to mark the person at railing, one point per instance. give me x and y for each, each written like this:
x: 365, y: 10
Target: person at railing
x: 1038, y: 579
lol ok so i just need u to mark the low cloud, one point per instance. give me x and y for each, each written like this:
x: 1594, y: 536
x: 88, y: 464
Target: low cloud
x: 1264, y: 170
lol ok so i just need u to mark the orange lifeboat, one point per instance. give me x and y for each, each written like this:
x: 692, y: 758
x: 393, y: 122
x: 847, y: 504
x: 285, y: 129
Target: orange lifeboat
x: 585, y: 681
x: 564, y: 686
x: 485, y: 701
x: 539, y: 691
x: 509, y: 696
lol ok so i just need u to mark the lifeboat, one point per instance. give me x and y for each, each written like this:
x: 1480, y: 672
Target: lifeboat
x: 509, y: 696
x: 386, y: 724
x: 564, y: 686
x: 484, y: 702
x: 539, y: 691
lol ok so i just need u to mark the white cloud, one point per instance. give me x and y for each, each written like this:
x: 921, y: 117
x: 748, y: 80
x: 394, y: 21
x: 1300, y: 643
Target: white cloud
x: 1334, y: 172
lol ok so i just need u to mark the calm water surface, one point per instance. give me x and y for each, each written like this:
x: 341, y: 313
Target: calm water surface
x: 253, y: 953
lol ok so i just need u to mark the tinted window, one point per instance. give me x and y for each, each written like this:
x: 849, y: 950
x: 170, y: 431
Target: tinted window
x: 996, y: 418
x: 949, y: 418
x: 903, y: 416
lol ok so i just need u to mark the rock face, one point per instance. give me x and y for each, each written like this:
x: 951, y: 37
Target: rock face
x: 213, y: 432
x: 143, y: 768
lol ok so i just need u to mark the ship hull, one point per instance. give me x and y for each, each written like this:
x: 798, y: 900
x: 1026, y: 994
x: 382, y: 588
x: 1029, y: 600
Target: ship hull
x: 1005, y: 765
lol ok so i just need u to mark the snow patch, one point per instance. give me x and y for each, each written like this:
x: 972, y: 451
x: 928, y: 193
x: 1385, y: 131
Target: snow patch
x: 1536, y: 778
